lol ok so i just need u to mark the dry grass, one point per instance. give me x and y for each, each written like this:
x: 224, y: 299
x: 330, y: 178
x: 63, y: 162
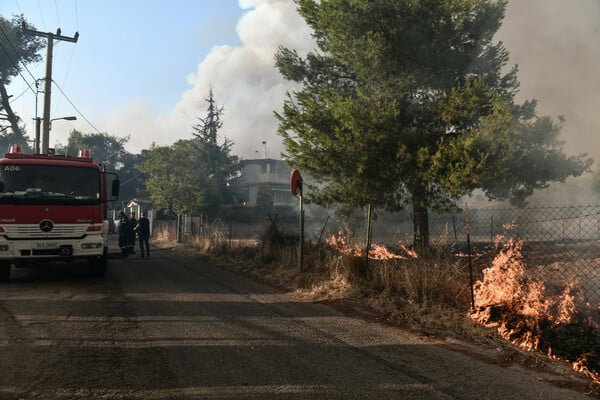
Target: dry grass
x: 426, y: 293
x: 430, y: 293
x: 164, y: 235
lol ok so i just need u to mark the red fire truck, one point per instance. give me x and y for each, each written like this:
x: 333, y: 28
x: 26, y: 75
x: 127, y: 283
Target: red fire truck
x: 54, y: 209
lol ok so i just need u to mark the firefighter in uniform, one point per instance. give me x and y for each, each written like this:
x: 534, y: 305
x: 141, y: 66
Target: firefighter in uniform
x: 123, y: 239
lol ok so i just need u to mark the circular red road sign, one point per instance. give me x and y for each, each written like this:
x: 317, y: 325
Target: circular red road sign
x: 295, y: 182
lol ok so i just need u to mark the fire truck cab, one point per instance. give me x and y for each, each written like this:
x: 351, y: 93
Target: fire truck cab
x: 54, y: 209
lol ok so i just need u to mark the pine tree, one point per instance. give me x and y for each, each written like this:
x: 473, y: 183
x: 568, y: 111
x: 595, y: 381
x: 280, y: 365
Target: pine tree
x: 18, y: 49
x: 410, y: 102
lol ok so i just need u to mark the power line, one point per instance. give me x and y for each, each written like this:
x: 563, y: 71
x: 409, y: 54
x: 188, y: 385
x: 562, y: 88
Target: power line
x: 50, y: 38
x: 57, y: 16
x: 76, y: 109
x: 13, y: 99
x: 73, y: 48
x: 76, y: 15
x: 15, y: 64
x: 69, y: 65
x: 18, y: 6
x: 41, y: 14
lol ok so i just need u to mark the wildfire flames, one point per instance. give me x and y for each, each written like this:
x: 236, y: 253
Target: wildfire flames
x: 515, y: 300
x: 526, y: 304
x: 376, y: 252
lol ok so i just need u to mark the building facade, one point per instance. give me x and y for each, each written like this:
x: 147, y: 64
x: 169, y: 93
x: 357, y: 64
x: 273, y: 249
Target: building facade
x: 266, y: 181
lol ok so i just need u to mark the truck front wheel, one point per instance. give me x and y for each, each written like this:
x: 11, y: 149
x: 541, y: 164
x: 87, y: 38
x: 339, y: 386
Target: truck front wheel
x: 4, y: 271
x: 98, y: 264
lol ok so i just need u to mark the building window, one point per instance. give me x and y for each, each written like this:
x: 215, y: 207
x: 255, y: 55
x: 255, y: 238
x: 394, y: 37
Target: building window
x: 283, y: 197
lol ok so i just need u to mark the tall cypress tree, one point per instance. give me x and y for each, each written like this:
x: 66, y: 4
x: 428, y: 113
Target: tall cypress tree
x: 222, y: 167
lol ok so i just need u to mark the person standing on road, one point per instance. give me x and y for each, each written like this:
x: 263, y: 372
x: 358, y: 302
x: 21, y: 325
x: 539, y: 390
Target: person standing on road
x: 122, y: 231
x: 143, y: 231
x: 130, y: 234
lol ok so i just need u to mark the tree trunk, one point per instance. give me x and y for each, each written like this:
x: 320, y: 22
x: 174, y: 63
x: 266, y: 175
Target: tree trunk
x: 420, y: 219
x: 10, y: 115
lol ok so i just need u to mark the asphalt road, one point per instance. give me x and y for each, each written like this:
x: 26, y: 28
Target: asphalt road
x: 172, y: 327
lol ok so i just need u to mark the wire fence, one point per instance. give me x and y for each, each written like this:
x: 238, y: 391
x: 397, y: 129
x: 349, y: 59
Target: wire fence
x: 560, y: 244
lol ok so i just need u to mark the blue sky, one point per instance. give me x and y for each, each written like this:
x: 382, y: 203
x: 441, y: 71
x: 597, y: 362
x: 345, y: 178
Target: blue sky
x: 136, y: 59
x: 143, y: 68
x: 148, y: 47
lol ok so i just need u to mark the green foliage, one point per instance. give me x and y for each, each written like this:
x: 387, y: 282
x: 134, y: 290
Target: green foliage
x: 105, y: 149
x: 193, y: 176
x: 17, y: 49
x: 176, y: 177
x: 508, y: 156
x: 133, y: 181
x: 222, y: 168
x: 9, y: 137
x: 411, y: 102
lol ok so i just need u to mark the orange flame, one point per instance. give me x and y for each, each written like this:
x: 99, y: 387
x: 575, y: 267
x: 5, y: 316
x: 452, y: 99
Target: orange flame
x: 515, y: 301
x: 376, y: 252
x: 581, y: 366
x: 340, y: 244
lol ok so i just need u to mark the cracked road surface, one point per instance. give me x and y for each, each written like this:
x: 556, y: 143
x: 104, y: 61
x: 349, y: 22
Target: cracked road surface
x: 173, y: 327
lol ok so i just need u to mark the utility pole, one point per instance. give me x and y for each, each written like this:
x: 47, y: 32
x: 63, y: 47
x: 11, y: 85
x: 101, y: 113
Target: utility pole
x: 48, y: 80
x: 36, y: 143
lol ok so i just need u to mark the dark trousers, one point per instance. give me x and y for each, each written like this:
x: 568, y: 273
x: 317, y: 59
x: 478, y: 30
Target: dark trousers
x: 123, y: 245
x: 144, y: 242
x: 129, y: 239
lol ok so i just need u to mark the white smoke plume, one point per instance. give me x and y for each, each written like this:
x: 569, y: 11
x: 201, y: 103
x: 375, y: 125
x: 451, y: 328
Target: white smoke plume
x: 244, y: 81
x: 553, y: 42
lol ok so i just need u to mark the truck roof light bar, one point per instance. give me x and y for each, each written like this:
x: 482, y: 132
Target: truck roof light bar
x: 15, y: 149
x: 84, y: 153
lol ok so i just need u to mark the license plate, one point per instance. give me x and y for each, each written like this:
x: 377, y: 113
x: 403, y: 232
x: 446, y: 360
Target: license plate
x: 46, y: 245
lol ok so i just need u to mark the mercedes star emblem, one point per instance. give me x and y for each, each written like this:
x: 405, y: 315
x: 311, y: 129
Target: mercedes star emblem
x: 46, y: 225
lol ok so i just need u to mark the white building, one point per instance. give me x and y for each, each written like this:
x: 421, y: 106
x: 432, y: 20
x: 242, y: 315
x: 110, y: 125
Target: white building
x: 269, y: 176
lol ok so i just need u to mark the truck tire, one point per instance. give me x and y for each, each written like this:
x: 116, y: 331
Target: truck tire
x: 4, y: 271
x: 98, y: 264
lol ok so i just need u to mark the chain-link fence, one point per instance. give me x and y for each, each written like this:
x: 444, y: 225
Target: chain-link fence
x: 561, y: 244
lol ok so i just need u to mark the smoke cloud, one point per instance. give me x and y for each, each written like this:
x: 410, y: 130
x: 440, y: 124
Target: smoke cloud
x: 553, y: 42
x: 244, y: 81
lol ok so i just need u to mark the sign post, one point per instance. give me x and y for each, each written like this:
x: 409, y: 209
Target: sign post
x: 296, y: 188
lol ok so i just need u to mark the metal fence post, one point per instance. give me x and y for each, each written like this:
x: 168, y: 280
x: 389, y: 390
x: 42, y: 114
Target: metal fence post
x: 471, y: 283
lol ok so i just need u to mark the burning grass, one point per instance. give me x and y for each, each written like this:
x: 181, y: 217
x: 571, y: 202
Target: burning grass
x: 430, y: 292
x: 537, y: 314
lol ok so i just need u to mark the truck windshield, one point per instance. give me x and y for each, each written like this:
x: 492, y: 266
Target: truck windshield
x: 43, y: 183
